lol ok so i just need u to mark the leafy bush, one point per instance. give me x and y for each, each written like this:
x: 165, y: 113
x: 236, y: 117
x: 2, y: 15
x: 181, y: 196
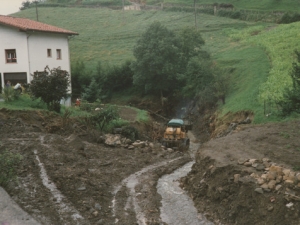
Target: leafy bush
x: 130, y: 132
x: 10, y: 94
x: 92, y: 92
x: 291, y: 97
x: 104, y: 117
x: 8, y: 161
x: 290, y: 18
x: 85, y: 106
x: 51, y: 86
x: 231, y: 14
x: 116, y: 78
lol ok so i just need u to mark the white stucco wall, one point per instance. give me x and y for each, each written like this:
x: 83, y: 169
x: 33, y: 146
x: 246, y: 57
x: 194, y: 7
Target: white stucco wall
x: 38, y: 43
x: 11, y: 38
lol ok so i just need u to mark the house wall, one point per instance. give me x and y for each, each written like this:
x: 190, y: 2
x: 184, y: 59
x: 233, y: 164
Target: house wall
x: 13, y: 39
x: 31, y: 49
x: 38, y: 43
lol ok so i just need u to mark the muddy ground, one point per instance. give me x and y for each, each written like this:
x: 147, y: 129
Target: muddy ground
x: 249, y: 176
x: 69, y: 176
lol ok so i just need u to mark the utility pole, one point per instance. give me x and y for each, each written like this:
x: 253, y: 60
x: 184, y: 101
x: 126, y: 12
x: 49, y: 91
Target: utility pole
x: 123, y: 10
x: 36, y: 11
x: 195, y: 14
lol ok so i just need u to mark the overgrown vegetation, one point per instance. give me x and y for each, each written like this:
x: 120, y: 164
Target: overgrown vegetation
x: 104, y: 117
x: 8, y: 162
x: 291, y: 97
x: 10, y: 94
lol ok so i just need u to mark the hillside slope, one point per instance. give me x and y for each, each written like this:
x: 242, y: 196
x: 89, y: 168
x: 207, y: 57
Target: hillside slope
x: 252, y: 52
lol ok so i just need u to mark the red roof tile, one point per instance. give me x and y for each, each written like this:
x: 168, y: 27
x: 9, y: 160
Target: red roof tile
x: 31, y: 25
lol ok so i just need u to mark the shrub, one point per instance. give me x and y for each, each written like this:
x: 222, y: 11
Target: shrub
x: 291, y: 97
x: 51, y: 86
x: 104, y: 117
x: 10, y: 94
x: 92, y: 92
x: 290, y: 18
x: 8, y: 161
x: 130, y: 132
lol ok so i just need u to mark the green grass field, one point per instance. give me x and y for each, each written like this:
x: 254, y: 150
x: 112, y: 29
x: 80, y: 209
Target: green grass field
x: 253, y: 51
x: 269, y: 5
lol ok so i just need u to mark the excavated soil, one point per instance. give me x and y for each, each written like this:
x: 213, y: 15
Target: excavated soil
x: 223, y: 184
x: 69, y: 176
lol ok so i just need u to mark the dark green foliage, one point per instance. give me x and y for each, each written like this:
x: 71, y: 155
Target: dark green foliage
x: 205, y: 81
x: 157, y: 55
x: 291, y: 98
x: 85, y: 106
x: 114, y: 79
x: 108, y: 79
x: 130, y: 132
x: 161, y: 55
x: 198, y: 77
x: 231, y: 14
x: 25, y: 5
x: 290, y: 18
x: 80, y: 78
x: 92, y: 92
x: 221, y: 83
x: 191, y: 43
x: 8, y: 162
x: 51, y: 86
x: 104, y: 117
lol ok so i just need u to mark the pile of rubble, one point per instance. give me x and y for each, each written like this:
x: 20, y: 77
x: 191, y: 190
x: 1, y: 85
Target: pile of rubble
x: 117, y: 140
x: 272, y: 178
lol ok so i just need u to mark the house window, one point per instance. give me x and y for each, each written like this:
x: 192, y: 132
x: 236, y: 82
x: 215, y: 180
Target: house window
x: 11, y: 55
x: 49, y: 53
x: 58, y: 53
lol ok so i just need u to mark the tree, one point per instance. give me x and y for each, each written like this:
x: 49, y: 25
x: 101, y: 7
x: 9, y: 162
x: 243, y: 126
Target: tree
x: 198, y: 77
x: 25, y: 5
x: 80, y: 78
x: 191, y: 43
x: 291, y: 97
x: 51, y: 86
x: 162, y: 58
x: 92, y: 92
x: 157, y: 60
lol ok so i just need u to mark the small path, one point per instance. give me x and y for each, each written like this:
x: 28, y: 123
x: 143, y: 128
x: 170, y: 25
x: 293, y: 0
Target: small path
x: 11, y: 213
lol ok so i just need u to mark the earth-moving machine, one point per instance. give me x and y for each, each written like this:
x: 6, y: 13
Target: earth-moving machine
x: 175, y: 135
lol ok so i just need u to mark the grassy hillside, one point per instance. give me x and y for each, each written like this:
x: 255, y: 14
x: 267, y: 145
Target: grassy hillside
x: 109, y: 35
x: 269, y: 5
x: 250, y: 50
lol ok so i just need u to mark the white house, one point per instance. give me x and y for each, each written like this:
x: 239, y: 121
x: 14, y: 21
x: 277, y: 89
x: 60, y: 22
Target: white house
x: 28, y: 46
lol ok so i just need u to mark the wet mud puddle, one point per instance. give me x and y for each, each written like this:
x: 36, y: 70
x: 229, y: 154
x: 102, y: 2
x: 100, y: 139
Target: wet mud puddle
x: 177, y: 207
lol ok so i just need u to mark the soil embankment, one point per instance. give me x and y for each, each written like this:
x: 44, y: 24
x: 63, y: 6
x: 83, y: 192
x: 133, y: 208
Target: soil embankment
x: 250, y: 176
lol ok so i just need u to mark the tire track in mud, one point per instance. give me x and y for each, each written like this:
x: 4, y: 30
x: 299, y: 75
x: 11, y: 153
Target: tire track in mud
x: 140, y: 191
x: 68, y: 214
x: 65, y: 208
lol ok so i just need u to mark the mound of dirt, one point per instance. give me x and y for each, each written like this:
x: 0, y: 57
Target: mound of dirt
x: 250, y: 176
